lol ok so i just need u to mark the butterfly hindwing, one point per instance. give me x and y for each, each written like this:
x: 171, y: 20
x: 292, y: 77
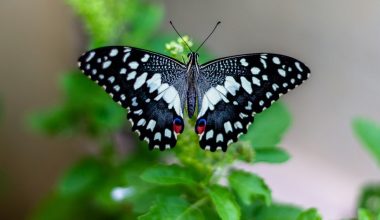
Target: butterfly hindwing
x: 144, y: 82
x: 234, y: 89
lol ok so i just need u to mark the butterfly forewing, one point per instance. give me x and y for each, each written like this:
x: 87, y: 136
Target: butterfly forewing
x: 146, y: 83
x: 233, y: 89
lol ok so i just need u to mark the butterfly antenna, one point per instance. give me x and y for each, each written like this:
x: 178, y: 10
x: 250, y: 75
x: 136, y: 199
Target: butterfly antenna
x: 217, y: 24
x: 171, y: 23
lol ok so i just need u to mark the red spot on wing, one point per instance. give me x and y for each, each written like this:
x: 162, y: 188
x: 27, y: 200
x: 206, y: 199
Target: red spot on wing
x: 177, y: 128
x: 201, y: 128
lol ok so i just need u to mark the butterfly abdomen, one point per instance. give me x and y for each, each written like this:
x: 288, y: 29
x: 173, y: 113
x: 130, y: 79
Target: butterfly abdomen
x: 191, y: 94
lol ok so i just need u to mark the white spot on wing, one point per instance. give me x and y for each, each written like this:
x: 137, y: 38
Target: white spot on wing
x: 141, y: 122
x: 111, y: 79
x: 151, y: 125
x: 123, y: 71
x: 140, y: 80
x: 138, y: 112
x: 222, y: 90
x: 268, y: 94
x: 133, y: 65
x: 205, y: 106
x: 255, y: 70
x: 256, y: 81
x: 168, y: 133
x: 219, y: 138
x: 154, y: 82
x: 90, y: 56
x: 116, y: 88
x: 114, y: 52
x: 213, y: 96
x: 209, y: 134
x: 264, y: 63
x: 134, y: 101
x: 231, y: 85
x: 131, y: 75
x: 227, y: 127
x: 281, y: 72
x: 145, y: 58
x: 238, y: 125
x: 106, y: 64
x: 275, y: 87
x: 276, y: 60
x: 243, y: 62
x: 170, y: 94
x: 157, y: 136
x: 298, y: 65
x: 249, y: 106
x: 163, y: 87
x: 246, y: 85
x: 126, y: 57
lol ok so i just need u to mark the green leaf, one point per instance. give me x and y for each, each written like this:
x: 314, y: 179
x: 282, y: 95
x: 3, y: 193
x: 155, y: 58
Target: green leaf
x: 278, y: 212
x: 364, y: 214
x: 309, y: 214
x: 368, y: 133
x: 87, y: 108
x: 53, y: 121
x: 249, y: 186
x: 172, y: 208
x: 271, y: 155
x: 146, y: 23
x: 370, y: 198
x: 224, y: 202
x: 169, y: 175
x: 81, y: 178
x: 269, y: 127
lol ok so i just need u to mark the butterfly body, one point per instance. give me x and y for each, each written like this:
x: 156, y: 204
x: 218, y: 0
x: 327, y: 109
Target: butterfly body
x: 225, y: 93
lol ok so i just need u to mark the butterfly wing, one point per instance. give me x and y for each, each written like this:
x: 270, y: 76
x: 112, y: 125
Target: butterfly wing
x: 233, y: 89
x: 144, y: 82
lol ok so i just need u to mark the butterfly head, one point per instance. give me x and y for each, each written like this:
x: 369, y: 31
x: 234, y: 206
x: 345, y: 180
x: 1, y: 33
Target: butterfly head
x: 193, y: 57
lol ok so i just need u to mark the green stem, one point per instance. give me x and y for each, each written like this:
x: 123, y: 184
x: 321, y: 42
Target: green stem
x: 195, y: 205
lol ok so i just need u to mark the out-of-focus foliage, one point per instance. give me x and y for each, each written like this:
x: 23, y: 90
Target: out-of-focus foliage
x: 369, y: 199
x: 364, y: 214
x: 141, y: 184
x: 286, y: 212
x: 368, y: 132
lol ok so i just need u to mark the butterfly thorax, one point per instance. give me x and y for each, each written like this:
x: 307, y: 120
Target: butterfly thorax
x: 192, y: 73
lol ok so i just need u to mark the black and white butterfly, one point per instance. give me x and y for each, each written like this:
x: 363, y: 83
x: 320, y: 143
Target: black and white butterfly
x: 225, y: 93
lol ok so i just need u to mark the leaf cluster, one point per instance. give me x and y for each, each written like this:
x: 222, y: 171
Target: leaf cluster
x: 368, y: 133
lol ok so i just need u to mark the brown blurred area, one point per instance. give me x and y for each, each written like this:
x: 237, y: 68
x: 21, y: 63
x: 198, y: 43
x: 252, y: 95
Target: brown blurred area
x: 39, y: 39
x: 339, y: 40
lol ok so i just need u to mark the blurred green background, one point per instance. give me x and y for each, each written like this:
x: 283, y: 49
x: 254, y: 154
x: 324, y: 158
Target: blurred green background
x: 66, y: 150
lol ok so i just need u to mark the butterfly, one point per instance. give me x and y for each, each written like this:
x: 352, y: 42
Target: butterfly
x: 225, y: 93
